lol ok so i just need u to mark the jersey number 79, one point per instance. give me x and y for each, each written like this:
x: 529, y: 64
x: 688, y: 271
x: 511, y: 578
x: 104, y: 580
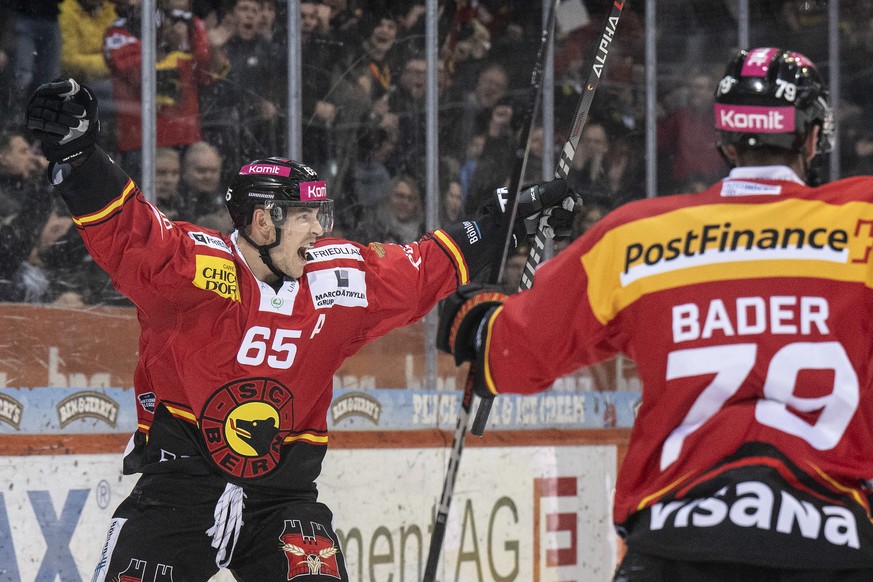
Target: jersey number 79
x: 732, y: 364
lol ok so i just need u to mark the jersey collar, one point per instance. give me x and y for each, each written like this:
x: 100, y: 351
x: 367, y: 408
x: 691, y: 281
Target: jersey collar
x: 783, y: 173
x: 281, y: 301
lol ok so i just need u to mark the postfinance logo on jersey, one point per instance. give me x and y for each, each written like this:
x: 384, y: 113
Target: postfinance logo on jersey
x: 719, y: 242
x: 217, y: 275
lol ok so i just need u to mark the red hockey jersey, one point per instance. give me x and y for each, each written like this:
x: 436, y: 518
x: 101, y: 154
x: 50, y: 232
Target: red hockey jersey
x: 746, y: 309
x: 234, y: 375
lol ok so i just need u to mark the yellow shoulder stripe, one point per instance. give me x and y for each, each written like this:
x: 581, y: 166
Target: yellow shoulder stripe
x: 453, y: 249
x: 108, y: 209
x: 307, y: 437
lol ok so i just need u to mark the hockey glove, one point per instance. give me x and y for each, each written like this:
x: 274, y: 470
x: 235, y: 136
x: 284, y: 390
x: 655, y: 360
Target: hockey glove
x: 461, y: 328
x: 556, y: 222
x: 550, y: 205
x: 63, y: 115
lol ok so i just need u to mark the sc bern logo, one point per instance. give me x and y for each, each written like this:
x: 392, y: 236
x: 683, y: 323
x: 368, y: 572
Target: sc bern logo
x: 241, y: 424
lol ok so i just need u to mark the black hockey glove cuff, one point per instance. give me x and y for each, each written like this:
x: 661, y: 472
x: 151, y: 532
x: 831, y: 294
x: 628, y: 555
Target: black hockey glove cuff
x: 64, y: 116
x: 461, y: 328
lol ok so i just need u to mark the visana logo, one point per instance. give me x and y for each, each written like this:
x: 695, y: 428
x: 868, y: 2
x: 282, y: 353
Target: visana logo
x: 756, y: 506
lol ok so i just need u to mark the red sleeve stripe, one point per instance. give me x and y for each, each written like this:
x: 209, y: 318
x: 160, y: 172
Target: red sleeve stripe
x: 114, y: 205
x: 456, y: 254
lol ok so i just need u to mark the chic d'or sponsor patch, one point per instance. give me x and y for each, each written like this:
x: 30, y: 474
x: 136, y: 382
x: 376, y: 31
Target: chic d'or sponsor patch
x: 217, y: 275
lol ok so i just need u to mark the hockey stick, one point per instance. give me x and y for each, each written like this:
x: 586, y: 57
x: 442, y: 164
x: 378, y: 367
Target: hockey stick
x: 439, y: 527
x: 535, y: 256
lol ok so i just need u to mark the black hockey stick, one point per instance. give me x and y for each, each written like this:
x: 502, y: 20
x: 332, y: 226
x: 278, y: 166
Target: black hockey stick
x: 439, y: 527
x: 535, y: 256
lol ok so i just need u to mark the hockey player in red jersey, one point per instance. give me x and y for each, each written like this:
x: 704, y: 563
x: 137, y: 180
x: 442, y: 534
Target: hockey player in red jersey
x: 744, y: 309
x: 240, y: 339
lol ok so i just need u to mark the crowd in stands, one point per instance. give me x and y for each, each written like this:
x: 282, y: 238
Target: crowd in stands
x: 222, y: 100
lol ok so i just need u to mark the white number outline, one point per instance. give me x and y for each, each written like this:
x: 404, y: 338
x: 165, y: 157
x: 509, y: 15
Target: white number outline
x: 256, y: 339
x: 786, y: 88
x: 732, y: 364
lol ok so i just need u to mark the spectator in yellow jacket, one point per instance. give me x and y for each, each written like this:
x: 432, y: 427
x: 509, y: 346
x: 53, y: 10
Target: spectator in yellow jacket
x: 83, y: 24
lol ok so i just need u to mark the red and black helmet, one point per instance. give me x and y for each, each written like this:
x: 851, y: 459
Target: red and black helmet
x: 772, y: 97
x: 276, y: 183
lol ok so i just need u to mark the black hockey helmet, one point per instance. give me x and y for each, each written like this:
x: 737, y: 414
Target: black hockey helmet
x: 772, y: 97
x: 275, y: 184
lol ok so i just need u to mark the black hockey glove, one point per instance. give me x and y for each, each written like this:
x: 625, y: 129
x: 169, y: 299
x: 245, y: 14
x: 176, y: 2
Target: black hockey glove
x: 63, y: 115
x: 460, y: 330
x: 556, y: 221
x: 551, y: 205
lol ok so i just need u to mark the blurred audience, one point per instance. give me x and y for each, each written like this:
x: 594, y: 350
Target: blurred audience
x: 222, y: 100
x: 406, y: 106
x: 369, y: 178
x: 468, y: 113
x: 588, y: 170
x: 498, y: 155
x: 468, y: 164
x: 25, y: 205
x: 10, y: 97
x: 686, y: 138
x: 37, y: 43
x: 319, y: 54
x: 513, y: 270
x: 168, y: 180
x: 202, y: 190
x: 83, y: 23
x: 241, y: 112
x: 451, y: 209
x: 184, y: 63
x: 399, y: 216
x: 374, y: 61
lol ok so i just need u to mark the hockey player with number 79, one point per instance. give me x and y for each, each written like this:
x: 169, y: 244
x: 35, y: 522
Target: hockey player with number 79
x: 240, y: 339
x: 745, y: 309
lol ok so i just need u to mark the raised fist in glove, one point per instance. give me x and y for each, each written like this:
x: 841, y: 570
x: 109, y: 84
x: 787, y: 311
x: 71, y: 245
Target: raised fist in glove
x: 63, y: 115
x: 551, y: 206
x: 461, y: 329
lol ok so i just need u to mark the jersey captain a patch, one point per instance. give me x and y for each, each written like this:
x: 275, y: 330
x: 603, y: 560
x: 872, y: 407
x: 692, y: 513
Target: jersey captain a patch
x: 338, y: 286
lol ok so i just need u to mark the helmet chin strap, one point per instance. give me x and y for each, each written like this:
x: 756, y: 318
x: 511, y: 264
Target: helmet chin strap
x: 264, y: 252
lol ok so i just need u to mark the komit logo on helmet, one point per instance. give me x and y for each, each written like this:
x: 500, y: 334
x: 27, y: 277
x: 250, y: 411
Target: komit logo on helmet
x: 313, y: 191
x: 753, y: 118
x: 265, y: 169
